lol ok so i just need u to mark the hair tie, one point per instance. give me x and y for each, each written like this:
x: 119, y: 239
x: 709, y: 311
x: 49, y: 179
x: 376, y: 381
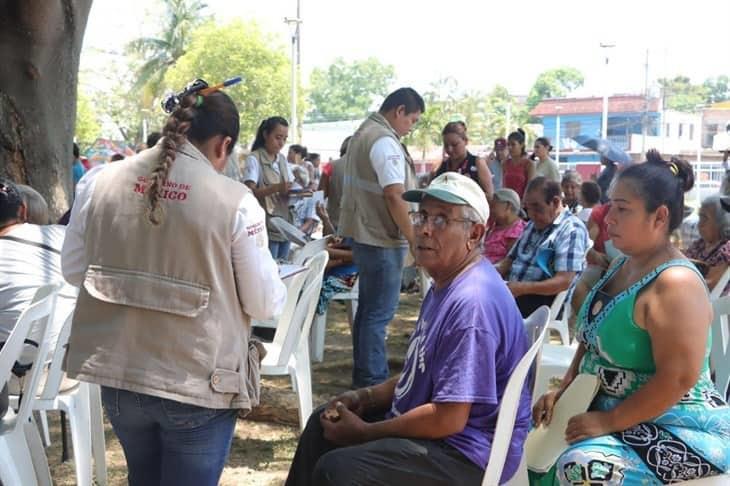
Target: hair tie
x: 673, y: 167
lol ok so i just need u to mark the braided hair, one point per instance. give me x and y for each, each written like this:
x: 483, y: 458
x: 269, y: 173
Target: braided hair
x: 197, y: 118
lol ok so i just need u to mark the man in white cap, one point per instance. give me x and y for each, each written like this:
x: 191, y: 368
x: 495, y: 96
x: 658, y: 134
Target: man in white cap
x: 434, y: 423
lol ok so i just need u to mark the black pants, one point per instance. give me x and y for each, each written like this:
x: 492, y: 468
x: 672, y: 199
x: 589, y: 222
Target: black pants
x: 391, y: 461
x: 530, y: 303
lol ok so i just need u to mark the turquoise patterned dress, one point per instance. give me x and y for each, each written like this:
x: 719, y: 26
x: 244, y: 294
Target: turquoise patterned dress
x: 688, y: 441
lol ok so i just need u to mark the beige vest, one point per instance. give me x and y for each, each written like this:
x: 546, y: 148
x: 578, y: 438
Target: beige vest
x: 364, y: 215
x: 158, y: 312
x: 334, y: 189
x: 274, y: 204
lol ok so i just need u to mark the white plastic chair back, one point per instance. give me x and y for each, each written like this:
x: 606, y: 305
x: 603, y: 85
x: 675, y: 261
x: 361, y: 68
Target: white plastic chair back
x: 716, y: 291
x: 720, y: 351
x: 310, y: 249
x: 21, y: 455
x: 55, y: 371
x: 38, y: 313
x: 557, y: 304
x: 510, y: 400
x: 288, y: 332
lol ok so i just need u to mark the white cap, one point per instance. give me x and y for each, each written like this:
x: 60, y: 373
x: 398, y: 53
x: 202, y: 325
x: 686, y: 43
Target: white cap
x: 454, y: 188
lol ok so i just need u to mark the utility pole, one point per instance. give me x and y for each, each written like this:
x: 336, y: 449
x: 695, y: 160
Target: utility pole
x: 645, y: 115
x: 604, y: 118
x: 294, y: 27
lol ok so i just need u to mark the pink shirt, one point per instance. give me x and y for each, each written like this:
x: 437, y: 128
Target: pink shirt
x: 497, y: 240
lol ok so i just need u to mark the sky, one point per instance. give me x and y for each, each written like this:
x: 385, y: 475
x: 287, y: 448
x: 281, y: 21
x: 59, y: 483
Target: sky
x: 479, y: 43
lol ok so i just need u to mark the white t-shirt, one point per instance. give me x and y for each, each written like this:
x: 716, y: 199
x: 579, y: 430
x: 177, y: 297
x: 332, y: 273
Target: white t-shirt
x: 389, y: 163
x: 24, y: 267
x: 585, y: 214
x: 260, y: 290
x: 252, y: 170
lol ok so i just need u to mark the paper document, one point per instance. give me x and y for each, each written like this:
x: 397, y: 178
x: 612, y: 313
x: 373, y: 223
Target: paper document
x: 544, y: 445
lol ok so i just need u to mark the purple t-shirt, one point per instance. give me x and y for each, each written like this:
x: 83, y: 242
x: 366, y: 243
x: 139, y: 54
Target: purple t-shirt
x: 468, y: 340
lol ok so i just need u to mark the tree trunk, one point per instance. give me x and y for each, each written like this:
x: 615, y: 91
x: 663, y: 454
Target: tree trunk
x: 40, y: 44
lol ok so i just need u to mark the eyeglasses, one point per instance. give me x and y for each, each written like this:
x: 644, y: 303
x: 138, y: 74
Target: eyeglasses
x: 438, y: 221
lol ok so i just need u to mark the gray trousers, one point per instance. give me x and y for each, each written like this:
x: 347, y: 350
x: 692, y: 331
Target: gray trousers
x: 390, y: 461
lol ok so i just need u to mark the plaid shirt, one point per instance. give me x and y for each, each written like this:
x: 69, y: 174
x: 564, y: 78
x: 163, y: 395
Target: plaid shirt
x: 565, y: 240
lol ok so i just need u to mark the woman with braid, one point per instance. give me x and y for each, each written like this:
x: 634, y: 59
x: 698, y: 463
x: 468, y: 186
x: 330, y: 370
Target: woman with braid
x: 172, y: 259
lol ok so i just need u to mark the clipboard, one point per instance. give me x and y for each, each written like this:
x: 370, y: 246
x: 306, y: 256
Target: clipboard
x: 544, y: 445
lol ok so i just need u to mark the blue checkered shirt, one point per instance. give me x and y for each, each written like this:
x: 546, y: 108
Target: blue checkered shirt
x: 566, y: 241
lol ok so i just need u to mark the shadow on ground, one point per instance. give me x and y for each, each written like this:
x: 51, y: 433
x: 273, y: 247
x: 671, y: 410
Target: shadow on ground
x: 261, y: 452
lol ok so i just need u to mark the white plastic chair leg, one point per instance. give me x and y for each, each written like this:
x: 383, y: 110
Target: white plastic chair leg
x: 302, y: 383
x: 44, y: 427
x: 98, y: 441
x: 351, y: 306
x: 80, y: 424
x: 37, y: 454
x: 316, y: 337
x: 18, y: 467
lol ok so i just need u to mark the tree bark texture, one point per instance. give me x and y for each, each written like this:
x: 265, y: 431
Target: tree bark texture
x: 40, y: 45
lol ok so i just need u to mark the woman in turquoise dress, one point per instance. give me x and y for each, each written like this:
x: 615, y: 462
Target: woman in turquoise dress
x: 644, y: 331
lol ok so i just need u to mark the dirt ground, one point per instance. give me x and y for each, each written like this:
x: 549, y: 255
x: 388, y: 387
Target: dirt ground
x: 261, y: 451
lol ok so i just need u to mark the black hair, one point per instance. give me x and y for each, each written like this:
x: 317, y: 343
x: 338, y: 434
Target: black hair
x: 117, y: 157
x: 550, y: 189
x: 197, y: 118
x: 661, y: 183
x: 519, y: 137
x: 266, y: 127
x: 76, y: 151
x: 545, y: 142
x: 407, y: 97
x: 591, y: 192
x: 299, y: 149
x: 152, y: 139
x: 10, y: 201
x: 312, y: 156
x: 457, y: 127
x: 343, y: 147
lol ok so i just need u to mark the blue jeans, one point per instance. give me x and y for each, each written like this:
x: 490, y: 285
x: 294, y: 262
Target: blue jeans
x: 167, y: 442
x: 379, y: 291
x: 279, y: 249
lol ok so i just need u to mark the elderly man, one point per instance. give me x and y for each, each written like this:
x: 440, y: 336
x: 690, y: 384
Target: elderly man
x: 433, y: 424
x: 550, y: 252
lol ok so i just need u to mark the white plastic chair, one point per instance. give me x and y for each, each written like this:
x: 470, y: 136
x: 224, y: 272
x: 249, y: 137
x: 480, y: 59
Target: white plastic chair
x: 311, y: 248
x: 560, y: 325
x: 716, y: 291
x: 720, y: 352
x: 319, y: 326
x: 86, y: 422
x: 288, y: 354
x: 17, y: 466
x: 536, y: 326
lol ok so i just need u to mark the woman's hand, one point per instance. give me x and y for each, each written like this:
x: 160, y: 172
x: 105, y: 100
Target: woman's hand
x: 587, y: 425
x: 542, y: 411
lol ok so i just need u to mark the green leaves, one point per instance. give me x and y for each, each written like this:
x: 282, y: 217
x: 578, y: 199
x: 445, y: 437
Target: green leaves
x: 346, y: 91
x: 554, y: 83
x: 216, y: 53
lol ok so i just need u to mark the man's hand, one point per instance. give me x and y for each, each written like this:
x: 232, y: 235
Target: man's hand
x: 587, y: 425
x: 517, y: 288
x: 351, y: 400
x: 348, y: 429
x: 283, y: 187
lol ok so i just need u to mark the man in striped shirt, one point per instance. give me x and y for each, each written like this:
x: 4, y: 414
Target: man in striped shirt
x: 550, y: 252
